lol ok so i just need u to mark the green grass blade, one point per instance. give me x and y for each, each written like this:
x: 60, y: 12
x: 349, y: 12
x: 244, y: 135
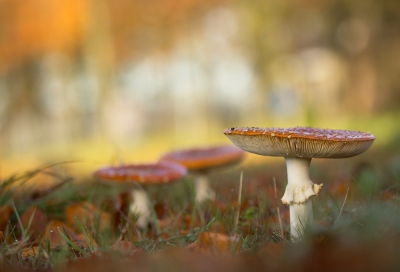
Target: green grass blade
x: 72, y: 244
x: 88, y: 237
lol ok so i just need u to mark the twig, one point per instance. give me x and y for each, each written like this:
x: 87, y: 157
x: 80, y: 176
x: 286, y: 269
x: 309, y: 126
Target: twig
x: 123, y: 231
x: 237, y: 213
x: 341, y: 209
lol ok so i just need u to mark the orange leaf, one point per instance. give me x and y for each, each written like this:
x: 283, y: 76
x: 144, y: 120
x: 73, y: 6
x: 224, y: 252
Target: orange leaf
x: 124, y: 247
x: 216, y: 243
x: 52, y: 233
x: 31, y: 252
x: 38, y: 223
x: 273, y: 250
x: 5, y: 213
x: 88, y: 214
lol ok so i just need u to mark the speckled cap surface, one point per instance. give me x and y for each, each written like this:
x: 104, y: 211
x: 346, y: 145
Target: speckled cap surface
x: 204, y: 158
x: 300, y: 142
x: 156, y: 173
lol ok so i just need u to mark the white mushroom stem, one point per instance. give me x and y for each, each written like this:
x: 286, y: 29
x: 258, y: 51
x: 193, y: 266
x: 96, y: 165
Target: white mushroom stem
x: 299, y: 189
x: 203, y: 189
x: 140, y: 206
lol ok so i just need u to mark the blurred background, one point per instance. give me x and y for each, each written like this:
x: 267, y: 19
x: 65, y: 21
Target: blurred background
x: 126, y: 80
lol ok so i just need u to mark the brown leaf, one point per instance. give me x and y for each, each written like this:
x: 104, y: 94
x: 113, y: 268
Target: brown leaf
x: 172, y: 223
x: 389, y: 195
x: 273, y: 250
x: 80, y: 240
x: 38, y: 223
x: 180, y: 221
x: 216, y: 243
x: 52, y: 233
x: 124, y: 247
x: 88, y: 214
x: 31, y: 252
x: 5, y: 214
x: 217, y: 227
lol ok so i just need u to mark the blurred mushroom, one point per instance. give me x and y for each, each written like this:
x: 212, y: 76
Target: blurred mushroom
x: 298, y: 146
x: 138, y: 176
x: 200, y: 161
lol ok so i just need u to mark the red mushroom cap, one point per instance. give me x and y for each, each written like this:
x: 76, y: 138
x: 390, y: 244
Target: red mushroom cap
x: 202, y: 159
x: 156, y: 173
x: 303, y: 142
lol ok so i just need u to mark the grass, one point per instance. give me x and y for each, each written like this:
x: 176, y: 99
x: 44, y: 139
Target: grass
x: 357, y: 223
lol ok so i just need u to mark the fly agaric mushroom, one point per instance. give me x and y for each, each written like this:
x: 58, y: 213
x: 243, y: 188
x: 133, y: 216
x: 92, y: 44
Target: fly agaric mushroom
x: 200, y: 161
x: 143, y: 174
x: 298, y: 146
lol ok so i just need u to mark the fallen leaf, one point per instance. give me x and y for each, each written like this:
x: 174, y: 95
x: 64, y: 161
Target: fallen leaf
x: 90, y: 216
x: 274, y: 251
x: 389, y: 195
x: 5, y: 214
x: 218, y: 227
x: 38, y: 222
x: 32, y: 252
x: 81, y: 241
x: 216, y: 243
x: 124, y: 247
x: 52, y: 233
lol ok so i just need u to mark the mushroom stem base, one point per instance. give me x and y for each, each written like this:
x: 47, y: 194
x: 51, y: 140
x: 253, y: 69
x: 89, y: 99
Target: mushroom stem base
x: 301, y: 216
x: 203, y: 189
x: 140, y: 206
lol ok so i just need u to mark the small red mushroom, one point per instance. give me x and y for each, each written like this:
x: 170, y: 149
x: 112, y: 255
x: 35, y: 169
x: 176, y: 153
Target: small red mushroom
x: 143, y: 175
x: 200, y: 161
